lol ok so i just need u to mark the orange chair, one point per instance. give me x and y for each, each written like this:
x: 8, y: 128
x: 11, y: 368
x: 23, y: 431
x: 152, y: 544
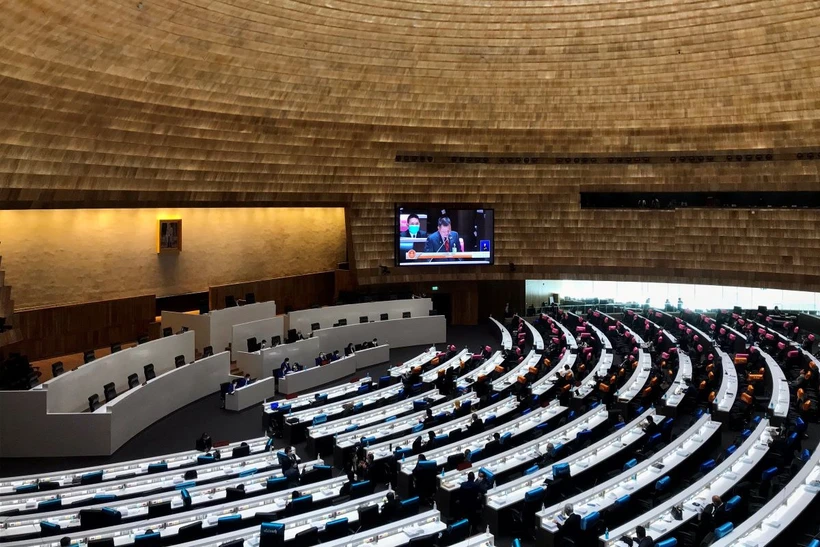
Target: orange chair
x: 755, y: 377
x: 522, y: 379
x: 647, y: 391
x: 746, y: 398
x: 533, y: 370
x: 547, y: 362
x: 499, y: 369
x: 712, y: 396
x: 603, y: 388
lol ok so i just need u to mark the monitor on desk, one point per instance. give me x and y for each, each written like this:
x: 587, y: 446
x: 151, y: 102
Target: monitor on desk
x: 443, y: 236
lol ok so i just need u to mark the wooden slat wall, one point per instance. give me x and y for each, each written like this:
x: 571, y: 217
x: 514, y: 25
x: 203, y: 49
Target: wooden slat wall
x: 309, y: 104
x: 63, y: 330
x: 296, y: 292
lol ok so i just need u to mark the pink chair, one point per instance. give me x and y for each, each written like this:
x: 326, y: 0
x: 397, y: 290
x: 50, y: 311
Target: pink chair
x: 712, y: 327
x: 732, y: 337
x: 722, y: 331
x: 770, y: 337
x: 613, y: 328
x: 811, y: 338
x: 664, y: 356
x: 700, y: 348
x: 781, y: 346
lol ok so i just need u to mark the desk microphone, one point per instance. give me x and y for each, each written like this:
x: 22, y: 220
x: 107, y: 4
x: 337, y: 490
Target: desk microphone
x: 439, y: 247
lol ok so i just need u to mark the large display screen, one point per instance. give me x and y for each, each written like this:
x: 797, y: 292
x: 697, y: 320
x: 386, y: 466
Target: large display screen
x: 439, y: 236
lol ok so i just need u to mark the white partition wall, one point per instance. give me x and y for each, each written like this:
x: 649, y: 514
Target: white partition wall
x: 69, y: 392
x: 328, y: 316
x: 261, y: 364
x: 29, y: 429
x: 200, y: 324
x: 222, y: 321
x: 263, y: 329
x: 398, y: 333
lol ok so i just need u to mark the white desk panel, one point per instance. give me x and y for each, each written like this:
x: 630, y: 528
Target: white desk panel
x: 399, y: 333
x: 251, y: 394
x: 314, y: 376
x: 763, y: 527
x: 261, y: 329
x: 372, y: 356
x: 506, y: 338
x: 222, y: 321
x: 200, y: 324
x: 466, y: 380
x: 659, y: 521
x: 631, y: 480
x: 677, y: 391
x: 432, y: 374
x: 417, y: 361
x: 145, y: 404
x: 537, y: 339
x: 261, y: 364
x: 69, y: 392
x: 779, y: 404
x: 727, y: 392
x: 328, y: 316
x: 511, y: 377
x: 635, y: 383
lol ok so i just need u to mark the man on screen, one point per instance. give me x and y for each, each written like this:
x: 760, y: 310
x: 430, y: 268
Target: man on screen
x: 413, y: 227
x: 443, y: 240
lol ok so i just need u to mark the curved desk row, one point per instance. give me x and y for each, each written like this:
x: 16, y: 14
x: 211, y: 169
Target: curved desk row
x: 506, y: 337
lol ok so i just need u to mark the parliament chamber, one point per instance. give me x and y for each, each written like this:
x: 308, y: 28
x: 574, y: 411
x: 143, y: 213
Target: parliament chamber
x: 427, y: 273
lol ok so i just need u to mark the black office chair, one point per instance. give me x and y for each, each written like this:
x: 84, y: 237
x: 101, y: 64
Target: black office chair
x: 426, y: 541
x: 57, y: 368
x: 167, y: 331
x: 253, y: 345
x: 405, y: 315
x: 335, y: 529
x: 179, y: 361
x: 250, y: 298
x: 230, y: 301
x: 133, y: 381
x: 369, y: 517
x: 315, y: 326
x: 383, y: 317
x: 342, y: 322
x: 93, y: 402
x: 234, y: 493
x: 241, y: 451
x: 116, y: 347
x: 88, y: 356
x: 190, y: 532
x: 275, y: 341
x: 363, y: 319
x: 208, y: 351
x: 433, y: 312
x: 142, y: 340
x: 307, y: 537
x: 110, y: 391
x: 149, y: 371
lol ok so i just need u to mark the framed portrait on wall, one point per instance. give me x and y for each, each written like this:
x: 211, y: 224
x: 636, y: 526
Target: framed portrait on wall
x: 169, y: 235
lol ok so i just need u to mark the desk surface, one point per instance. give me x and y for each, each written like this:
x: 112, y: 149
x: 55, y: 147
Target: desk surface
x: 544, y: 383
x: 366, y: 398
x: 306, y: 399
x: 763, y: 527
x: 642, y: 475
x: 659, y: 521
x: 417, y: 361
x: 511, y: 377
x: 432, y: 374
x: 537, y: 339
x: 727, y: 392
x: 590, y: 383
x: 634, y: 384
x: 506, y: 338
x: 677, y: 391
x: 779, y: 403
x: 466, y: 380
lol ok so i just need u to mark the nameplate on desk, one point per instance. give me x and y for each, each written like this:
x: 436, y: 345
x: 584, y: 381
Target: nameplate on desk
x: 729, y: 475
x: 683, y: 453
x: 812, y: 488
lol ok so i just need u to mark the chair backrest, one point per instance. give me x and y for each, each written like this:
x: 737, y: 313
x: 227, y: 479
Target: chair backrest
x: 179, y: 361
x: 531, y: 470
x: 359, y: 489
x: 57, y: 368
x: 590, y: 520
x: 560, y: 470
x: 723, y: 530
x: 93, y: 402
x: 320, y: 419
x: 368, y: 516
x: 707, y: 466
x: 208, y: 351
x: 733, y: 502
x: 307, y: 537
x: 230, y: 301
x: 133, y: 381
x: 410, y: 506
x: 150, y: 374
x: 630, y: 464
x: 275, y: 484
x: 768, y: 473
x: 250, y: 298
x: 301, y: 504
x: 536, y: 495
x: 336, y: 528
x: 363, y: 319
x: 271, y: 534
x: 88, y: 356
x: 458, y: 531
x: 669, y: 542
x: 662, y: 484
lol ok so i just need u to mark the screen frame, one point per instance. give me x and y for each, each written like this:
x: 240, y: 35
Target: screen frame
x: 397, y: 208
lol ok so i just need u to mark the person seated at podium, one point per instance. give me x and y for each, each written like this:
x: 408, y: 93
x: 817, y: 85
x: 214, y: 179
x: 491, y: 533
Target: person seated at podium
x: 391, y: 507
x: 569, y: 523
x: 413, y: 227
x: 65, y: 541
x: 285, y: 367
x: 443, y: 240
x: 349, y: 349
x: 335, y: 356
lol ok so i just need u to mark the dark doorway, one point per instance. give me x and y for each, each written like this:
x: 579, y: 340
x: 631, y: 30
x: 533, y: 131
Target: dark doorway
x: 443, y: 304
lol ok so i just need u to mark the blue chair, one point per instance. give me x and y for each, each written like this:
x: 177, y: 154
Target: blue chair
x: 623, y: 501
x: 420, y: 405
x: 458, y: 531
x: 768, y: 474
x: 490, y: 475
x: 791, y: 439
x: 416, y: 388
x: 105, y: 497
x: 805, y: 455
x: 276, y: 484
x: 271, y: 534
x: 367, y: 441
x: 283, y: 458
x: 560, y: 470
x: 427, y: 465
x: 619, y: 426
x: 476, y: 454
x: 336, y: 529
x: 49, y: 505
x: 358, y: 406
x: 654, y: 439
x: 418, y: 427
x: 814, y: 543
x: 630, y: 464
x: 571, y: 415
x: 731, y: 450
x: 24, y: 488
x: 516, y: 543
x: 247, y: 472
x: 531, y: 470
x: 205, y: 458
x: 732, y: 504
x: 662, y: 484
x: 594, y: 405
x: 410, y: 506
x: 707, y: 466
x: 364, y: 388
x: 148, y: 539
x: 526, y: 411
x: 157, y: 468
x: 542, y: 428
x: 284, y: 409
x: 723, y: 530
x: 590, y: 520
x: 489, y: 419
x: 321, y: 399
x: 756, y: 420
x: 228, y: 522
x: 184, y: 485
x: 799, y: 425
x: 441, y: 439
x: 583, y: 436
x: 320, y: 419
x: 359, y: 489
x: 440, y: 416
x: 494, y: 398
x: 466, y: 405
x: 669, y: 542
x: 505, y: 437
x: 698, y: 414
x: 384, y: 381
x: 390, y: 419
x: 352, y: 427
x: 269, y: 445
x: 49, y: 528
x: 403, y: 452
x: 301, y: 504
x: 640, y: 410
x: 91, y: 477
x: 186, y: 497
x: 745, y: 434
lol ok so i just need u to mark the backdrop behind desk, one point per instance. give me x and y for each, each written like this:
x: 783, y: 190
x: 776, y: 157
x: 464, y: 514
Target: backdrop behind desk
x: 398, y: 333
x: 214, y: 328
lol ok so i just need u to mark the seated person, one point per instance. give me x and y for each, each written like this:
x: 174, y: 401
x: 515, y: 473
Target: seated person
x: 391, y: 506
x: 204, y: 443
x: 295, y: 494
x: 290, y: 468
x: 493, y: 447
x: 429, y: 420
x: 650, y: 427
x: 285, y: 367
x: 413, y: 227
x: 483, y: 482
x: 349, y: 349
x: 431, y: 441
x: 640, y: 539
x: 569, y: 523
x: 443, y: 240
x: 470, y: 483
x: 335, y: 356
x: 476, y: 425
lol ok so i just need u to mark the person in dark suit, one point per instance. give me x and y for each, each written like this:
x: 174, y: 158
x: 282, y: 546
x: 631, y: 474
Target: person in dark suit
x: 571, y: 527
x: 443, y: 240
x: 413, y: 227
x: 391, y: 507
x: 650, y: 428
x: 642, y: 539
x: 476, y: 425
x: 713, y: 515
x: 431, y: 441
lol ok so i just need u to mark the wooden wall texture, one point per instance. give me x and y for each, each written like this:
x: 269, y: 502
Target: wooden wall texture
x: 237, y: 102
x: 297, y: 292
